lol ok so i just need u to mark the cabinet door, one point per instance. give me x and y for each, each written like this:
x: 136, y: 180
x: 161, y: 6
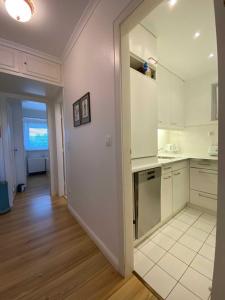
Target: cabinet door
x: 180, y: 189
x: 142, y: 43
x: 8, y: 59
x: 177, y: 102
x: 166, y: 196
x: 204, y: 180
x: 164, y: 97
x: 143, y: 115
x: 38, y: 67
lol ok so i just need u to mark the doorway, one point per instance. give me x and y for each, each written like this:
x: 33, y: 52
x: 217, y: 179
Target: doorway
x: 182, y: 67
x: 36, y: 144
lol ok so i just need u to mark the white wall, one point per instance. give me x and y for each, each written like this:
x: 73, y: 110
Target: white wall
x: 198, y: 95
x: 91, y: 166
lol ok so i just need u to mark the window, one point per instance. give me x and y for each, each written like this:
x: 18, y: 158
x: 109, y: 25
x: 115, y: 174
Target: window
x: 35, y: 134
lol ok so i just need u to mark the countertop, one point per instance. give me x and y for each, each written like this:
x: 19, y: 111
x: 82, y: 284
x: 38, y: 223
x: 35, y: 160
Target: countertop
x: 141, y: 164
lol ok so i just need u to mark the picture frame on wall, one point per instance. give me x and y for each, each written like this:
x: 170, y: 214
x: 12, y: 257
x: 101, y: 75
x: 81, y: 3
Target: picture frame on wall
x: 82, y: 111
x: 85, y: 109
x: 76, y: 114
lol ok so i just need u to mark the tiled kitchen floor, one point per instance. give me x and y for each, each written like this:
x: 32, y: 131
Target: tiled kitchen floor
x: 177, y: 260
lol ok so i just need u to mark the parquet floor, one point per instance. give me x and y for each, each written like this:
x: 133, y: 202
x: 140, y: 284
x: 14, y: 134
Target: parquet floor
x: 46, y: 255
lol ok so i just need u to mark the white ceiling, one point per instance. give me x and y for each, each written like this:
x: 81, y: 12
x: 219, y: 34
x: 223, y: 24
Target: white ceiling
x: 27, y: 87
x: 175, y: 27
x: 49, y: 29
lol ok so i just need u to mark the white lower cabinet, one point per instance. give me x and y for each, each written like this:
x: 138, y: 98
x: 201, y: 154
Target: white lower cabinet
x: 203, y: 184
x: 180, y: 189
x: 174, y: 189
x: 166, y: 196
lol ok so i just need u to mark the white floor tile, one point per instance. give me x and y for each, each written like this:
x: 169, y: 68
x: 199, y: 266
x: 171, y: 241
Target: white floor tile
x: 214, y: 231
x: 183, y: 253
x: 181, y: 293
x: 203, y: 226
x: 196, y: 283
x: 208, y: 219
x: 153, y: 251
x: 142, y: 264
x: 186, y: 219
x: 172, y: 232
x: 203, y: 266
x: 160, y: 281
x: 163, y: 241
x: 192, y: 212
x: 190, y: 242
x: 172, y: 266
x: 197, y: 234
x: 179, y: 225
x: 208, y: 252
x: 211, y: 240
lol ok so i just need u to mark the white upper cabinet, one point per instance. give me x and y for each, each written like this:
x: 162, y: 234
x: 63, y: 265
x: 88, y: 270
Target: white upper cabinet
x: 8, y: 59
x: 38, y: 67
x: 171, y: 99
x: 23, y: 64
x: 143, y: 43
x: 143, y: 115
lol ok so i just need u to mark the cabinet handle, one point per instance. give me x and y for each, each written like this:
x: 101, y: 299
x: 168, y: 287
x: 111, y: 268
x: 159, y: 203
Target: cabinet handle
x: 25, y: 63
x: 167, y: 177
x: 204, y: 196
x: 209, y: 173
x: 176, y: 174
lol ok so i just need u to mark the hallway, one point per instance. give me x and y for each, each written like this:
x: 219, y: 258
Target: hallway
x: 45, y: 254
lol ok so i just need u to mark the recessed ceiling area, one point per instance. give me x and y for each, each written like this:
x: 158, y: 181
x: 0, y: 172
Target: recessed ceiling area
x: 50, y: 27
x: 186, y: 36
x: 28, y: 87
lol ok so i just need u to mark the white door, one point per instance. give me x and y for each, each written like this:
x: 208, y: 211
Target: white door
x: 166, y: 196
x: 60, y: 149
x: 9, y: 151
x: 180, y: 189
x: 143, y: 115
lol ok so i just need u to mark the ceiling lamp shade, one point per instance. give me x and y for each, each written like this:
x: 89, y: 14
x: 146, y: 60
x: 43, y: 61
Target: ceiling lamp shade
x: 20, y: 10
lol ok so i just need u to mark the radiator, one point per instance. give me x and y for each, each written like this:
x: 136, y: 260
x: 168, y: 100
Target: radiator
x: 36, y: 165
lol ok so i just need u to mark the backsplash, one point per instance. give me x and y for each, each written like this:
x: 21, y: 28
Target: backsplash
x: 192, y: 140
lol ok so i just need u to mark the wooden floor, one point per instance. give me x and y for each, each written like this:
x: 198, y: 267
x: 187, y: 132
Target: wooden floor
x: 45, y: 254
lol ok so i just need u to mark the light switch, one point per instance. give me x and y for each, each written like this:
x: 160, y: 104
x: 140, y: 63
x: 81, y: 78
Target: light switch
x: 108, y: 140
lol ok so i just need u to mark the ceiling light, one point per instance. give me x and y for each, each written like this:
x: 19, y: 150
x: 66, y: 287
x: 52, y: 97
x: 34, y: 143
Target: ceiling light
x: 211, y: 55
x: 172, y: 2
x: 20, y: 10
x: 197, y: 34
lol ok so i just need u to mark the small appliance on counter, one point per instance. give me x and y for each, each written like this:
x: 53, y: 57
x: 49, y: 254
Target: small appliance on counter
x: 172, y: 148
x: 213, y: 150
x: 4, y: 198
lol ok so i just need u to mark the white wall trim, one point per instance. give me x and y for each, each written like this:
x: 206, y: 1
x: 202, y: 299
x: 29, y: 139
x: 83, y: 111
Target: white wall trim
x: 107, y: 253
x: 29, y: 50
x: 89, y: 10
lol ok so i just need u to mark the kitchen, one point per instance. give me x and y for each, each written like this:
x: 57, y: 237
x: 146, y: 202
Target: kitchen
x: 174, y: 148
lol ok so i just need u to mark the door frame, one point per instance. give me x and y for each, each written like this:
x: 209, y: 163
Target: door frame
x: 130, y: 17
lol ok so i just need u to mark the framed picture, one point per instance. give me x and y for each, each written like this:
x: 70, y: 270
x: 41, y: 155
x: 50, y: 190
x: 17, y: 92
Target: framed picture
x: 76, y: 114
x: 85, y: 109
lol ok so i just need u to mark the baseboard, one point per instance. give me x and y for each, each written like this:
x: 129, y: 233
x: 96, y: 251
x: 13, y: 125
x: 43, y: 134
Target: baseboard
x: 102, y: 247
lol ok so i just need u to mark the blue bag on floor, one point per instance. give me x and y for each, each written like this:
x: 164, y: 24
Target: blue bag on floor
x: 4, y: 197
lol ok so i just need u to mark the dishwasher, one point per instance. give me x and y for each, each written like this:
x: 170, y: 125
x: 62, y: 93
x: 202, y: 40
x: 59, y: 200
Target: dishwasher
x: 147, y: 194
